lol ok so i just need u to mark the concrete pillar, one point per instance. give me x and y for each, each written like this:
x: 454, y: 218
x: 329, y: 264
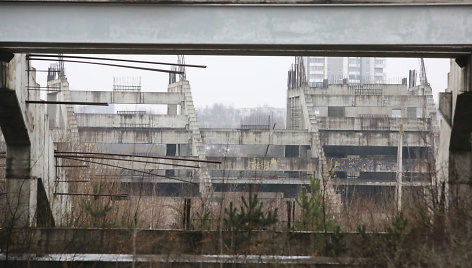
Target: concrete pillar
x: 18, y: 186
x: 21, y: 199
x: 20, y: 202
x: 460, y: 149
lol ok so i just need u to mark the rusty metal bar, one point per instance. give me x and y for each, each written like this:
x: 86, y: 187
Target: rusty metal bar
x: 68, y: 102
x: 87, y: 194
x: 129, y: 160
x: 72, y: 181
x: 112, y: 65
x: 121, y: 60
x: 73, y: 166
x: 136, y: 170
x: 151, y: 157
x: 43, y: 71
x: 41, y: 87
x: 38, y: 89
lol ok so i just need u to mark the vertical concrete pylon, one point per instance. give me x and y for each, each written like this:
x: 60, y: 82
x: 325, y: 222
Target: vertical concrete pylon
x: 460, y: 148
x: 30, y: 170
x: 20, y: 201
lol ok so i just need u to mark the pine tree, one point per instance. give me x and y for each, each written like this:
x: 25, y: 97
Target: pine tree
x: 312, y: 209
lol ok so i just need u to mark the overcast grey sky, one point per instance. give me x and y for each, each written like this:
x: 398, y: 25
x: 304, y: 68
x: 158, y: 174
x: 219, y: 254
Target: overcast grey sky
x: 232, y: 80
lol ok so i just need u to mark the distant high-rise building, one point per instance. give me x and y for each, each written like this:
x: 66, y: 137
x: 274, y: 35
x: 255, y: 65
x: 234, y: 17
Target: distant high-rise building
x: 334, y: 69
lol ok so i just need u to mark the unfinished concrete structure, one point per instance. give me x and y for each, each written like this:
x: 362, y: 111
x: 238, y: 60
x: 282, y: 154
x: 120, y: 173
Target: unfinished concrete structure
x: 271, y: 160
x: 348, y: 134
x: 272, y: 30
x: 359, y: 129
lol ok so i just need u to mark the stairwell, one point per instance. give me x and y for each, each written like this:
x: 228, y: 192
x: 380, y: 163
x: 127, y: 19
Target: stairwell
x: 71, y: 117
x: 311, y: 124
x: 70, y: 132
x: 198, y: 147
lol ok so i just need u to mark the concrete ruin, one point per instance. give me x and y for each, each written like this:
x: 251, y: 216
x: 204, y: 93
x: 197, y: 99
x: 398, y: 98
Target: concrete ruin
x: 346, y: 135
x: 359, y: 127
x: 271, y: 160
x: 272, y: 30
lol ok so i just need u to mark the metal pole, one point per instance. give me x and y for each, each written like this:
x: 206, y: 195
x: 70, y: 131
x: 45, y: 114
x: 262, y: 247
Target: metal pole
x: 398, y: 188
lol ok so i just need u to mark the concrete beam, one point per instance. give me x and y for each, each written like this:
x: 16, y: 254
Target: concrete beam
x: 368, y: 100
x: 374, y: 138
x: 146, y: 121
x: 427, y: 30
x: 257, y: 164
x: 146, y: 164
x: 121, y: 97
x: 210, y: 136
x: 366, y: 123
x: 249, y: 137
x: 266, y: 164
x: 378, y: 164
x: 124, y: 135
x: 230, y: 180
x: 377, y: 183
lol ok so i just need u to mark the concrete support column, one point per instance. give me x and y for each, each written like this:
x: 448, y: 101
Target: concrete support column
x: 18, y: 186
x: 460, y: 149
x: 20, y: 202
x: 21, y: 194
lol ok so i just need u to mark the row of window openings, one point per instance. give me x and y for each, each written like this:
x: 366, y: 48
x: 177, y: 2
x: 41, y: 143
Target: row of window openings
x: 411, y: 112
x: 351, y: 69
x: 351, y: 60
x: 351, y: 77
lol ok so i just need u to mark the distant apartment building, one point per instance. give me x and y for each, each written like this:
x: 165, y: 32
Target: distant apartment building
x: 356, y: 70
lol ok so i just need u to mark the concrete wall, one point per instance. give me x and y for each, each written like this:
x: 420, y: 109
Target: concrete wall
x: 373, y: 138
x: 362, y: 117
x: 267, y: 164
x: 121, y: 97
x: 365, y: 123
x: 170, y: 136
x: 275, y: 137
x: 368, y: 100
x: 124, y: 135
x: 378, y: 164
x: 131, y: 121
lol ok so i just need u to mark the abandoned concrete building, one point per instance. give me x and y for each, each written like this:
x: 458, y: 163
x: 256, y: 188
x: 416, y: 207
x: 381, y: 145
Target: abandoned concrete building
x: 353, y: 128
x: 259, y: 157
x: 346, y: 133
x: 359, y: 126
